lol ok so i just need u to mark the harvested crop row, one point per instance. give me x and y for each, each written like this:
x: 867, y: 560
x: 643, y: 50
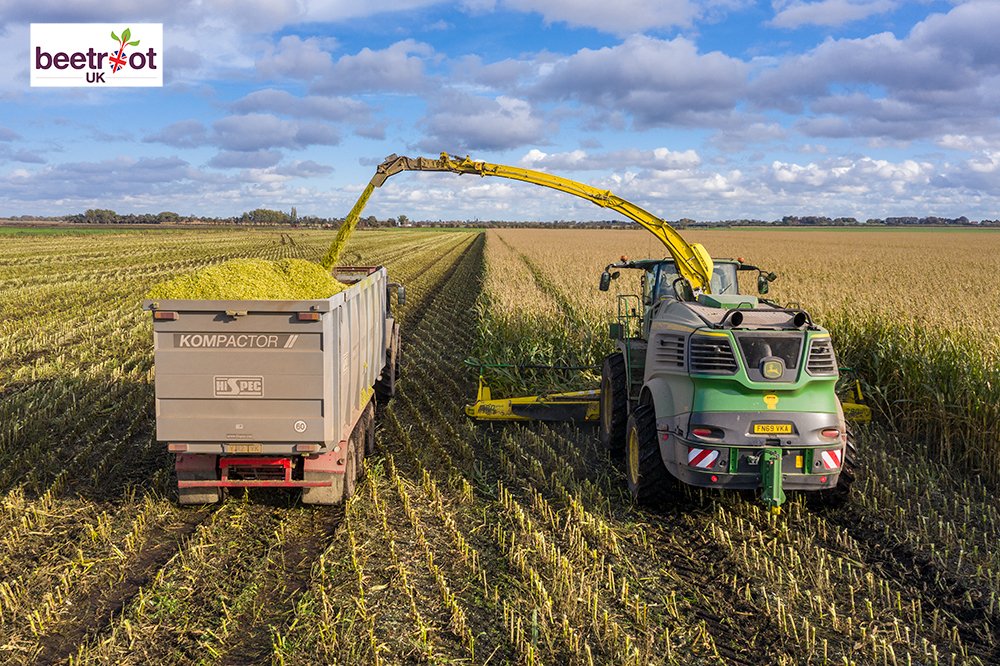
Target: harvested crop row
x: 91, y: 523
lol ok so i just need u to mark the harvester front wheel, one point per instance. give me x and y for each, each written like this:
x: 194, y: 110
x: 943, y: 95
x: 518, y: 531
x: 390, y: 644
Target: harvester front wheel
x: 614, y: 404
x: 839, y: 495
x: 648, y: 479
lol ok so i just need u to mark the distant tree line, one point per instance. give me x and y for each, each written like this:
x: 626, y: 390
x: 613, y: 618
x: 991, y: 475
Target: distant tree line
x: 270, y: 218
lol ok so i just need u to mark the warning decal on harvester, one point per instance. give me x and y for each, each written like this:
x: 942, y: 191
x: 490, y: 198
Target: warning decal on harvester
x: 831, y: 459
x: 702, y: 458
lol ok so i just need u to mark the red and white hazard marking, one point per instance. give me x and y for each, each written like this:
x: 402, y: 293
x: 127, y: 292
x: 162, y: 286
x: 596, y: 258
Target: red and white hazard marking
x: 831, y: 459
x: 702, y: 458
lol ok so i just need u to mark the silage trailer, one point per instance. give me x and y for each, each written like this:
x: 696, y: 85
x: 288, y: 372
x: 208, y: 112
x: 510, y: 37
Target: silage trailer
x: 275, y: 393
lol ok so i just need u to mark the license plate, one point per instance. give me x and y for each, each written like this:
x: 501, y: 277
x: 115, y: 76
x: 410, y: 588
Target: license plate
x: 772, y: 428
x: 244, y: 448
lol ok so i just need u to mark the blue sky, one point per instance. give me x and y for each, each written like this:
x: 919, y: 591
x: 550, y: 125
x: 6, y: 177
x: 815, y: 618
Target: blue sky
x: 708, y: 109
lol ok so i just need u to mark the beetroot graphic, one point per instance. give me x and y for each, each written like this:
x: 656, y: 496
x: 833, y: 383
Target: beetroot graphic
x: 118, y: 61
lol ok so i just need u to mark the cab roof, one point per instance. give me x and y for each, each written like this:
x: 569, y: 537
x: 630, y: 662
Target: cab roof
x: 649, y: 263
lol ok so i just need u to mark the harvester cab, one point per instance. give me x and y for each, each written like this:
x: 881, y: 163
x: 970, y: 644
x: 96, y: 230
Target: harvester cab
x: 662, y: 282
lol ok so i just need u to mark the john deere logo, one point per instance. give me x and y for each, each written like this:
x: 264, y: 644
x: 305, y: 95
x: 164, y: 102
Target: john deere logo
x: 773, y: 369
x: 78, y: 54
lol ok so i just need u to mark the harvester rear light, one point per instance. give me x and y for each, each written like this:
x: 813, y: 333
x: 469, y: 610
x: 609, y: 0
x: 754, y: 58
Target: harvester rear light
x: 832, y: 433
x: 177, y: 448
x: 165, y: 315
x: 701, y: 432
x: 307, y: 448
x: 308, y: 316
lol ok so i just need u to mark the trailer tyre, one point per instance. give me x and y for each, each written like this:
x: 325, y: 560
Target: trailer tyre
x: 385, y: 386
x: 342, y: 486
x: 614, y: 404
x: 198, y: 495
x: 360, y: 437
x: 349, y: 480
x: 368, y: 431
x: 648, y: 480
x: 196, y: 468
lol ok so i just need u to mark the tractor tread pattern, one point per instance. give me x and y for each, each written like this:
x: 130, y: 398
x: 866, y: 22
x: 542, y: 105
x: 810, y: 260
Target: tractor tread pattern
x: 654, y: 481
x: 613, y: 376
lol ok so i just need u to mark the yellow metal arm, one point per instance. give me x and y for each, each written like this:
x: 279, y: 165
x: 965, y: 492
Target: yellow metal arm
x: 693, y: 261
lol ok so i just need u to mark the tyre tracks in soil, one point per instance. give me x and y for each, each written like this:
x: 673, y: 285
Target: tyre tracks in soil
x: 738, y: 629
x: 938, y: 590
x: 310, y: 532
x: 94, y: 613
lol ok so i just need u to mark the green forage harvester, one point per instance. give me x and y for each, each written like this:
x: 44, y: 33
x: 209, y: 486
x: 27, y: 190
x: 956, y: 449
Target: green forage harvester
x: 252, y: 279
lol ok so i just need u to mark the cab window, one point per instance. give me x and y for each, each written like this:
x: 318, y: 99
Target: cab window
x: 723, y: 279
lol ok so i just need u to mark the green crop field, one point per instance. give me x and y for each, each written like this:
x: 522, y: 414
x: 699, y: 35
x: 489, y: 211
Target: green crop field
x: 471, y: 544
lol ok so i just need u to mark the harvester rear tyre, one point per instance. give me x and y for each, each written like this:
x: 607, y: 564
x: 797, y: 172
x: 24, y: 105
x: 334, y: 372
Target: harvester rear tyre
x: 648, y: 480
x: 614, y: 404
x: 840, y: 494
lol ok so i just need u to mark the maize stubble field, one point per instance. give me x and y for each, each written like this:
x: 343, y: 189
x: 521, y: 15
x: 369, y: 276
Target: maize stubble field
x: 497, y: 544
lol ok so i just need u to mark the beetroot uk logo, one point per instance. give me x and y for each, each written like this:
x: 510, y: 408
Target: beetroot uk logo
x: 118, y: 60
x: 78, y: 54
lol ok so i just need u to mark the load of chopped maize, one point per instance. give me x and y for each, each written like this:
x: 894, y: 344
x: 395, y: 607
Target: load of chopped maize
x: 252, y: 279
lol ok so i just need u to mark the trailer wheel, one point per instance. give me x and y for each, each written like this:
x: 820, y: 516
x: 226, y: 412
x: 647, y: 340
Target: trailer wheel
x: 385, y: 386
x: 648, y: 479
x: 840, y: 494
x: 196, y: 468
x: 614, y: 404
x: 350, y: 478
x: 360, y: 439
x: 198, y: 495
x: 342, y: 486
x: 368, y: 418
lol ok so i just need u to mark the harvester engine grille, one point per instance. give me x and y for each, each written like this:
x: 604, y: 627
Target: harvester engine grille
x: 756, y: 347
x: 669, y: 350
x: 821, y: 358
x: 713, y: 355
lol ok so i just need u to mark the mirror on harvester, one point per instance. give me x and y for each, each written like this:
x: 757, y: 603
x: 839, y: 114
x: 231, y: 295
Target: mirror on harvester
x: 606, y: 279
x: 763, y: 286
